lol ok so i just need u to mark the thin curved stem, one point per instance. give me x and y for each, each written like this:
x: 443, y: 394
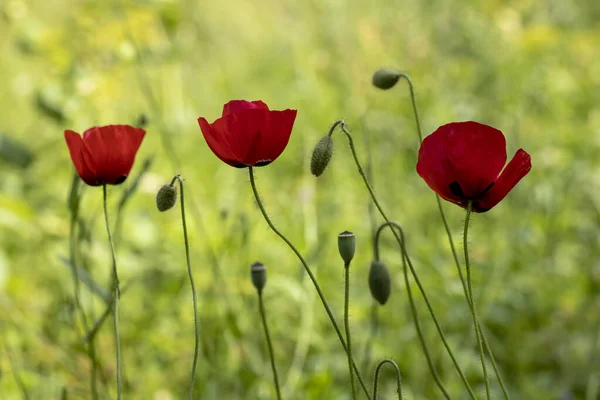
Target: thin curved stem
x: 117, y: 293
x: 414, y: 104
x: 347, y: 324
x: 310, y: 274
x: 398, y: 377
x: 261, y: 306
x: 411, y: 301
x: 413, y: 271
x: 473, y: 311
x: 192, y: 285
x: 452, y: 246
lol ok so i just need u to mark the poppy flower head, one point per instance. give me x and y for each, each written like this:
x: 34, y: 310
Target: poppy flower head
x: 248, y: 134
x: 105, y: 154
x: 464, y: 161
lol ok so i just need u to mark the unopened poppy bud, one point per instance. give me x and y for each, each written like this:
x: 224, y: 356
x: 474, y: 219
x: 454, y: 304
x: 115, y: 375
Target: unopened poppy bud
x: 321, y: 155
x: 385, y: 78
x: 166, y: 197
x: 258, y: 273
x: 379, y: 282
x: 347, y: 246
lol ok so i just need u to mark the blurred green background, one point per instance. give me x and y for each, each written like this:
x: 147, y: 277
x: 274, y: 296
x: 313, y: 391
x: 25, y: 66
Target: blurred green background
x: 529, y: 68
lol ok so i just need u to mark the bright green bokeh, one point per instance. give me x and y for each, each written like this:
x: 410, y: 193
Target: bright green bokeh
x: 531, y: 69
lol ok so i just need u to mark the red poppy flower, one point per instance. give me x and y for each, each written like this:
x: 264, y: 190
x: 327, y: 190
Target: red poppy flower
x: 464, y: 161
x: 105, y: 154
x: 248, y: 134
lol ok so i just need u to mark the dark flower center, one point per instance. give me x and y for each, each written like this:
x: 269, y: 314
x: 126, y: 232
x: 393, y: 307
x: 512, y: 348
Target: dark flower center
x: 456, y: 190
x: 120, y: 179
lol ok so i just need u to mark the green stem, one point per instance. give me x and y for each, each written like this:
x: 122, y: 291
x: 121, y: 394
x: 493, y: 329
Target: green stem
x: 74, y: 201
x: 398, y: 377
x: 413, y: 271
x: 451, y: 241
x: 117, y: 293
x: 414, y: 104
x: 473, y: 312
x: 347, y: 325
x: 261, y: 306
x: 193, y: 286
x: 413, y: 308
x: 310, y: 274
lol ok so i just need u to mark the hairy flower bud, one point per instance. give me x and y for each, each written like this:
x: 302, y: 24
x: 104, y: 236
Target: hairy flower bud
x: 166, y: 197
x: 321, y: 155
x: 379, y: 282
x: 347, y: 246
x: 258, y: 274
x: 385, y: 78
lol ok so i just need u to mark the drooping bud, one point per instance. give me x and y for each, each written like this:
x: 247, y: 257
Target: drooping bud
x: 166, y: 197
x: 379, y: 282
x: 321, y: 155
x: 258, y: 274
x: 385, y: 78
x: 347, y: 246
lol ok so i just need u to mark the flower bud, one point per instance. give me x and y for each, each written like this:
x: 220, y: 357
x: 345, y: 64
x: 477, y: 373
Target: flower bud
x: 321, y: 155
x: 379, y: 282
x: 347, y: 246
x: 166, y: 197
x: 258, y: 273
x: 385, y: 78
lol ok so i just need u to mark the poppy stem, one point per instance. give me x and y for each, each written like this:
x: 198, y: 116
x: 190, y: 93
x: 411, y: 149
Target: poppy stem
x: 310, y: 274
x: 413, y: 271
x: 347, y: 324
x: 413, y: 308
x: 263, y: 317
x: 398, y: 377
x: 192, y: 284
x: 414, y: 104
x: 74, y: 201
x: 472, y: 303
x: 451, y: 241
x: 117, y: 293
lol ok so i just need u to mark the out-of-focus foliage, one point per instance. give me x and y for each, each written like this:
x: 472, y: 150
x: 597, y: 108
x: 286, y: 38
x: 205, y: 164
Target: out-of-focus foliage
x: 531, y: 69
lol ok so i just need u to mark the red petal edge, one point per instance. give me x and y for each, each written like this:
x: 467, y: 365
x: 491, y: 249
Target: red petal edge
x: 76, y: 151
x: 515, y: 170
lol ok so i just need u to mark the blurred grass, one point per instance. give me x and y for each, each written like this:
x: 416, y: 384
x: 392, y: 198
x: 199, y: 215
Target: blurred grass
x: 528, y: 68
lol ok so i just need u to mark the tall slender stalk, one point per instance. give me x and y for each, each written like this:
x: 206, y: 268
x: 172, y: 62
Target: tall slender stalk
x: 74, y: 202
x: 263, y: 317
x: 117, y: 293
x: 192, y: 285
x: 472, y: 303
x: 347, y: 324
x: 310, y: 274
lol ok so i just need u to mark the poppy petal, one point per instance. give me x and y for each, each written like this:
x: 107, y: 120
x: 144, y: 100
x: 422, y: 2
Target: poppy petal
x: 475, y: 154
x: 75, y: 145
x: 276, y: 128
x: 432, y: 166
x: 517, y: 168
x: 219, y: 140
x: 112, y: 150
x: 237, y: 106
